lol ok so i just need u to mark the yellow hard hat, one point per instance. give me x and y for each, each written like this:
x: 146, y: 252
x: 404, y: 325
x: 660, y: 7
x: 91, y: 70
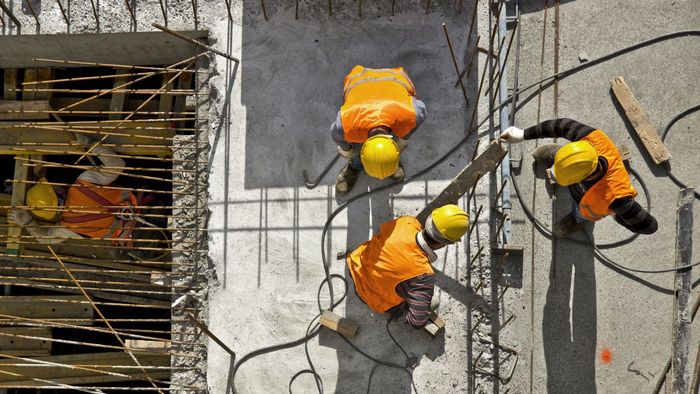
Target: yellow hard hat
x: 380, y: 156
x: 42, y: 195
x: 450, y: 221
x: 574, y: 162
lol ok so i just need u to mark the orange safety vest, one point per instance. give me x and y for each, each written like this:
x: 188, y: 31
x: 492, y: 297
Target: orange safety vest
x: 389, y: 258
x: 377, y: 97
x: 595, y: 204
x: 92, y: 217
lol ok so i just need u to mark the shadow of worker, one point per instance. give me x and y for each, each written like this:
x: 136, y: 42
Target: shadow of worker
x: 569, y: 320
x: 356, y: 373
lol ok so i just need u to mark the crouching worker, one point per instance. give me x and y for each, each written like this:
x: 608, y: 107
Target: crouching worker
x: 372, y: 128
x: 592, y: 168
x: 393, y: 269
x: 89, y: 210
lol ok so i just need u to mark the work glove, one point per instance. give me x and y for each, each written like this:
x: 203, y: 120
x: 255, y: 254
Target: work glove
x: 20, y: 217
x: 347, y: 154
x: 402, y: 143
x: 512, y: 135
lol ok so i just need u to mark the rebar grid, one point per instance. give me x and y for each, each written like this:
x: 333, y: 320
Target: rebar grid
x: 111, y: 282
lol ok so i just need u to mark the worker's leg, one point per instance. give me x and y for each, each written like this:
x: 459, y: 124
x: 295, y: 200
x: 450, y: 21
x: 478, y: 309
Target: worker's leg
x: 348, y: 175
x: 399, y: 174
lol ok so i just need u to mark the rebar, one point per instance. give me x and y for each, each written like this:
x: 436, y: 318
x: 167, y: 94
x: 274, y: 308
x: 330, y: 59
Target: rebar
x: 195, y: 42
x: 112, y: 65
x: 50, y: 164
x: 473, y: 19
x: 194, y: 14
x: 393, y: 6
x: 63, y: 12
x: 165, y: 12
x: 296, y: 9
x: 98, y: 133
x: 475, y: 222
x: 50, y: 281
x: 11, y: 15
x: 66, y: 152
x: 468, y: 63
x: 131, y: 12
x: 87, y: 112
x: 31, y: 9
x: 100, y: 187
x: 476, y: 256
x: 94, y: 12
x: 264, y: 10
x: 228, y: 9
x: 170, y: 92
x: 204, y: 328
x: 454, y: 62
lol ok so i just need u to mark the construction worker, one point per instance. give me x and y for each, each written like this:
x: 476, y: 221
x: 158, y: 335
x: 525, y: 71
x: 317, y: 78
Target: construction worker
x: 392, y: 271
x: 379, y: 114
x: 592, y: 168
x: 89, y: 210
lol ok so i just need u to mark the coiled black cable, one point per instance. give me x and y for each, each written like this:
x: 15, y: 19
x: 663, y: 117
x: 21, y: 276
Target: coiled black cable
x: 543, y: 84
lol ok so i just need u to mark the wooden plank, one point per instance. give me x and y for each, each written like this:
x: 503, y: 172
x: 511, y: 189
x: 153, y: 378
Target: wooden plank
x: 44, y: 74
x: 487, y: 161
x: 682, y: 315
x: 166, y: 100
x: 183, y: 82
x: 435, y: 325
x: 150, y: 346
x: 10, y: 83
x: 105, y: 361
x: 341, y: 325
x: 12, y: 341
x: 29, y: 76
x: 639, y: 120
x: 44, y: 308
x: 5, y: 200
x: 118, y: 99
x: 19, y: 191
x: 14, y: 110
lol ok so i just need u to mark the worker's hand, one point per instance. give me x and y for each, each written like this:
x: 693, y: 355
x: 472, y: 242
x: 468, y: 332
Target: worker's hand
x: 402, y: 143
x: 19, y: 217
x: 347, y: 154
x: 512, y: 135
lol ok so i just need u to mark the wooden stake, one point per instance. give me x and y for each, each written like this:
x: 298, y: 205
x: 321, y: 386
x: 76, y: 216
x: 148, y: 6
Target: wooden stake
x: 454, y: 61
x: 683, y: 278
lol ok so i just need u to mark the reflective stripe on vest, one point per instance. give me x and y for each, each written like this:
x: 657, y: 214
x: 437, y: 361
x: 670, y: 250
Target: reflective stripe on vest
x: 99, y: 221
x: 389, y: 258
x: 595, y: 203
x: 377, y: 97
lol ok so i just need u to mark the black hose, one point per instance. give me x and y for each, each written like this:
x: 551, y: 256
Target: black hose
x: 668, y: 126
x: 313, y: 332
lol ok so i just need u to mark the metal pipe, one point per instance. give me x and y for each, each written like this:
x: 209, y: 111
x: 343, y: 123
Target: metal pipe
x: 504, y: 123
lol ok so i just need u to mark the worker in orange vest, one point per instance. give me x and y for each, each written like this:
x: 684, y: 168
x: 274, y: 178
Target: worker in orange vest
x: 393, y: 271
x: 90, y: 209
x: 378, y: 115
x: 592, y: 168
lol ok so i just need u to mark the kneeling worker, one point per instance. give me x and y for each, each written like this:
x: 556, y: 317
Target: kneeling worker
x: 378, y: 115
x: 90, y: 209
x: 393, y: 269
x: 592, y: 168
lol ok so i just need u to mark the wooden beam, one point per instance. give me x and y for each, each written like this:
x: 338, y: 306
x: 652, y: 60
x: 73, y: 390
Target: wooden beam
x: 5, y: 200
x: 341, y: 325
x: 44, y: 74
x: 101, y: 104
x: 105, y: 361
x: 9, y: 84
x: 14, y: 110
x: 183, y: 82
x: 487, y: 161
x: 118, y: 99
x: 29, y: 76
x: 19, y: 191
x: 45, y: 308
x: 682, y: 315
x: 13, y: 343
x: 639, y: 120
x: 150, y: 346
x: 434, y: 326
x: 165, y: 103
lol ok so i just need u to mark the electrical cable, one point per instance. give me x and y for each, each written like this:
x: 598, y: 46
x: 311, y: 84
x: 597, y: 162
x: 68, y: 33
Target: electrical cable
x: 311, y: 333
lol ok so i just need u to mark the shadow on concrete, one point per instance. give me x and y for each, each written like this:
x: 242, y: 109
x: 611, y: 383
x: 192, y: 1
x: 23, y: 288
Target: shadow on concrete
x: 292, y: 87
x: 529, y: 6
x: 569, y: 321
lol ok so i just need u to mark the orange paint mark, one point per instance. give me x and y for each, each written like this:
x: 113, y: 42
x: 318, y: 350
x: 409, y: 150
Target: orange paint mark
x: 605, y: 356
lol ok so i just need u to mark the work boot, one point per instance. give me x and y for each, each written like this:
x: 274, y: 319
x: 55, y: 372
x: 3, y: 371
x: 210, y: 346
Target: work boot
x: 399, y: 174
x: 567, y: 225
x: 545, y: 154
x: 346, y: 179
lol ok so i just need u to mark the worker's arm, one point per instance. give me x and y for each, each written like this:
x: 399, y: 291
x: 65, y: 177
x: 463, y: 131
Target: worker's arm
x: 553, y: 128
x: 339, y: 135
x: 45, y: 235
x: 98, y: 177
x: 417, y: 292
x: 558, y: 128
x: 421, y: 114
x: 632, y: 216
